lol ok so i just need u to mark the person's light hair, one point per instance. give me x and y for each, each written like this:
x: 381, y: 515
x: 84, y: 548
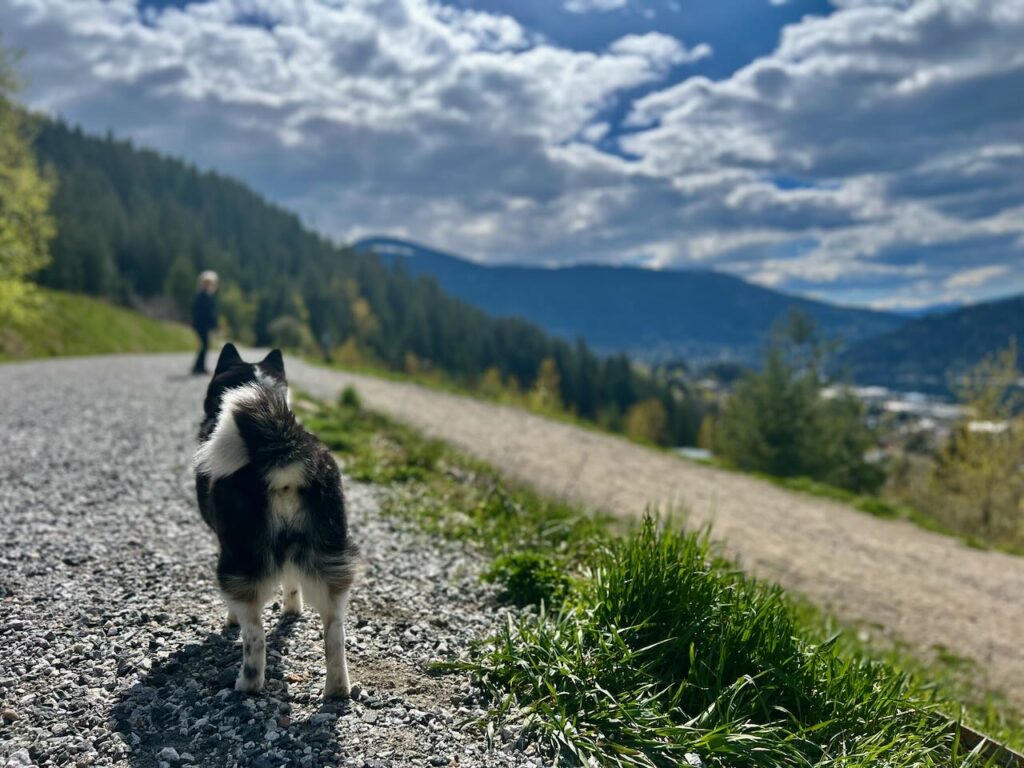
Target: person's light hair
x: 207, y: 276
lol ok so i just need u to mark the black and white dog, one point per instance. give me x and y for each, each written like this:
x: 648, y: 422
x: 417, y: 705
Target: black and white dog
x: 272, y: 493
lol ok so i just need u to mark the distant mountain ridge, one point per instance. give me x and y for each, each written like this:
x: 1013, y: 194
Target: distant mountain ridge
x: 699, y: 315
x: 927, y: 354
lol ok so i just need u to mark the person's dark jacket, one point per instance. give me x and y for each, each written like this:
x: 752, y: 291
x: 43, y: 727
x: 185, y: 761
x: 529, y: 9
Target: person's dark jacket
x: 204, y: 312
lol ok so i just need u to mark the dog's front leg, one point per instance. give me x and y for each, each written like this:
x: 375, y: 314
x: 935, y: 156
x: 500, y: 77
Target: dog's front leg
x: 254, y: 644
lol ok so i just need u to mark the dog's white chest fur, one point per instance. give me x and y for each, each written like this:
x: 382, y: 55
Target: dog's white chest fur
x: 283, y: 486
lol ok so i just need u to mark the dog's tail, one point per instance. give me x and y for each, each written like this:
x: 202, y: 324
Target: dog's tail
x: 255, y: 426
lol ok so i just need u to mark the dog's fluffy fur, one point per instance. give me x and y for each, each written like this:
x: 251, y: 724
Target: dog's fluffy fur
x: 272, y: 493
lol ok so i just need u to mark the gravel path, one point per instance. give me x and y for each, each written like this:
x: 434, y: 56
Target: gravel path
x: 112, y: 650
x: 894, y: 578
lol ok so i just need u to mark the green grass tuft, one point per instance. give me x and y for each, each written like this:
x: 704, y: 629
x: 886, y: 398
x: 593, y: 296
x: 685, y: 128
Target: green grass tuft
x: 530, y: 578
x: 349, y: 398
x: 666, y: 651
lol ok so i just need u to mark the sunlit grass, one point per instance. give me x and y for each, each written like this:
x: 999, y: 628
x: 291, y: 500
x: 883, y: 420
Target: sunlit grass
x: 70, y: 324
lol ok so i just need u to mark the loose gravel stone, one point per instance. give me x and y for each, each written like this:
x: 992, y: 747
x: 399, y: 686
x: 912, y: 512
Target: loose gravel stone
x: 113, y: 649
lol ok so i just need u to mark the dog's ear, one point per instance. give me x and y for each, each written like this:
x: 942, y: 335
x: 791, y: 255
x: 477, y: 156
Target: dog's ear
x: 273, y: 362
x: 228, y: 356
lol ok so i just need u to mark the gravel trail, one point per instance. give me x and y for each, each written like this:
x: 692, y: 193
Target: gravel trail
x: 112, y: 647
x: 895, y: 579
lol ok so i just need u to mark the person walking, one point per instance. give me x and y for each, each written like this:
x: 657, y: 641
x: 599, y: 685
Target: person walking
x: 204, y: 316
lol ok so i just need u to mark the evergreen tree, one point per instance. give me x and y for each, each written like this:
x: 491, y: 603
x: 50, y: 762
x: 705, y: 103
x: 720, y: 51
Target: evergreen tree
x: 778, y: 422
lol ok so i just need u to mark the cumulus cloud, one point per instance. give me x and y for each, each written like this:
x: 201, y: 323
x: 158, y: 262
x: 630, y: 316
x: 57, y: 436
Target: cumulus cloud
x: 972, y: 278
x: 590, y: 6
x: 907, y: 108
x: 875, y: 149
x: 404, y: 103
x: 660, y: 48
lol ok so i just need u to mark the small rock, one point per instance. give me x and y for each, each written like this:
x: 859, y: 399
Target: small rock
x: 10, y: 716
x: 370, y: 716
x: 168, y: 754
x: 439, y: 760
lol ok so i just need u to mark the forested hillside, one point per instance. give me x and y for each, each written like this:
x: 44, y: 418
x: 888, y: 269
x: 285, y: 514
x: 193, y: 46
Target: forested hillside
x: 932, y: 352
x: 137, y: 227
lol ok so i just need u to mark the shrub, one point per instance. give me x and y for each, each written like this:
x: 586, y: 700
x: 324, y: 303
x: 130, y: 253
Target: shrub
x: 646, y: 420
x: 974, y: 485
x: 349, y: 398
x: 288, y: 332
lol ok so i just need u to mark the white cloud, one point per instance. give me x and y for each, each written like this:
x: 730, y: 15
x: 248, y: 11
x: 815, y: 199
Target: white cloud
x: 663, y: 49
x: 591, y: 6
x: 972, y: 278
x: 912, y: 104
x: 880, y: 146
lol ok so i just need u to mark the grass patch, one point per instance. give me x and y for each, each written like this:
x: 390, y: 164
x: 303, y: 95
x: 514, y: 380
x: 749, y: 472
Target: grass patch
x: 647, y: 648
x: 530, y: 578
x: 71, y: 324
x: 665, y: 652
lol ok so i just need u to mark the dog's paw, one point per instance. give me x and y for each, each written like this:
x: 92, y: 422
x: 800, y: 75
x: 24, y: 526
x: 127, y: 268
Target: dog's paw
x: 249, y: 683
x: 231, y: 620
x: 292, y: 604
x: 338, y: 690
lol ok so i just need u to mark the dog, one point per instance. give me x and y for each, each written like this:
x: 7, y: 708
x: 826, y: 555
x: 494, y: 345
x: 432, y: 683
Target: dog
x: 272, y: 493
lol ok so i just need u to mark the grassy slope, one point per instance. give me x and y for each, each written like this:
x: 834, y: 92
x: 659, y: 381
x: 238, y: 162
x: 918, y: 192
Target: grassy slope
x: 71, y: 324
x: 652, y: 647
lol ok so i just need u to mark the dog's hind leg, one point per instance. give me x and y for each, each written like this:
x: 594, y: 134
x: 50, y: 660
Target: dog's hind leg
x: 334, y: 646
x: 292, y: 600
x: 332, y: 604
x: 336, y: 683
x: 247, y: 605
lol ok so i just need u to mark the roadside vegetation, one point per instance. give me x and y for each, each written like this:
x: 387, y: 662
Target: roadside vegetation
x: 26, y: 225
x: 643, y: 647
x: 973, y: 483
x: 69, y: 324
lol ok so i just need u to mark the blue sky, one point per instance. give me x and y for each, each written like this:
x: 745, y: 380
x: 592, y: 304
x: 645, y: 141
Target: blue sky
x: 863, y: 151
